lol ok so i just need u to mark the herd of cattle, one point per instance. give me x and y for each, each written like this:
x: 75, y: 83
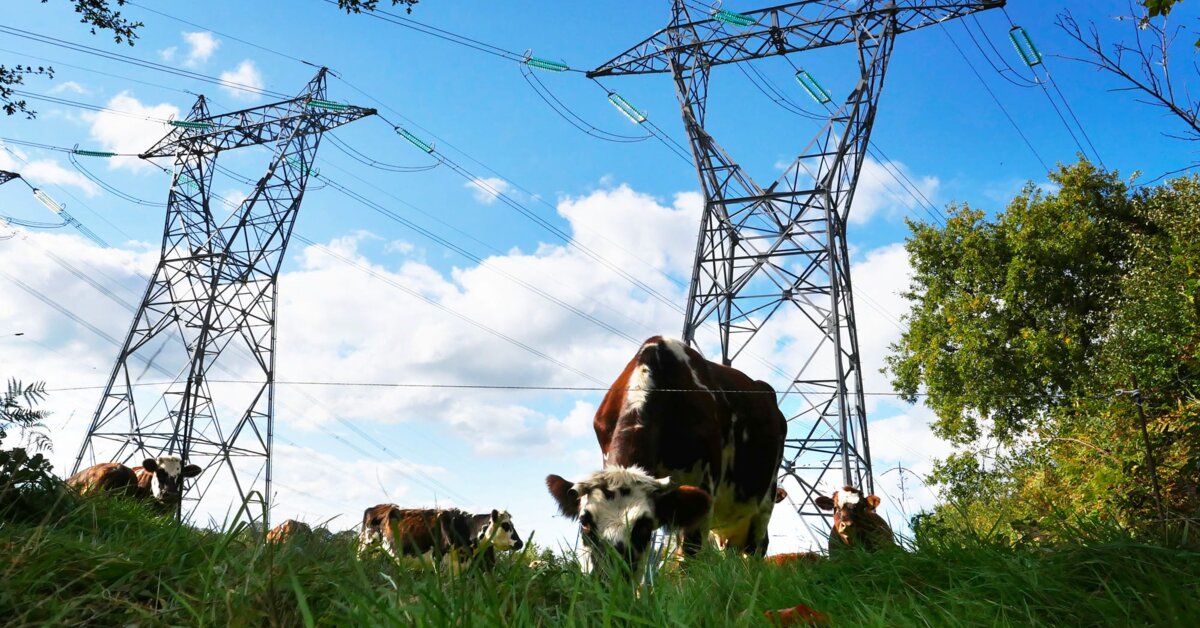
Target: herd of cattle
x: 688, y: 444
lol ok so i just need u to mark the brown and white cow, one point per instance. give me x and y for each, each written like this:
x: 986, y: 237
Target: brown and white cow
x: 415, y: 531
x: 160, y: 479
x: 688, y: 444
x: 856, y: 524
x: 288, y: 530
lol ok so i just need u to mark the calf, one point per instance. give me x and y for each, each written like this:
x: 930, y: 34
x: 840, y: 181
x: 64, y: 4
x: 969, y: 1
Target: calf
x: 414, y: 531
x: 288, y: 530
x: 688, y: 444
x: 855, y: 522
x: 160, y: 479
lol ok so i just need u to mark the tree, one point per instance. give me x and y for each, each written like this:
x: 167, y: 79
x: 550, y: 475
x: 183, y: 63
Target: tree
x: 1147, y: 65
x: 1026, y: 329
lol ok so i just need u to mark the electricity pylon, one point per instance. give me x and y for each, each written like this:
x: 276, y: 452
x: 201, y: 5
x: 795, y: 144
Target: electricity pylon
x: 765, y: 249
x: 211, y: 304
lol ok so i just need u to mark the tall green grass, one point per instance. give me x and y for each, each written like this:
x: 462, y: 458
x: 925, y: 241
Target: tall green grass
x: 109, y: 562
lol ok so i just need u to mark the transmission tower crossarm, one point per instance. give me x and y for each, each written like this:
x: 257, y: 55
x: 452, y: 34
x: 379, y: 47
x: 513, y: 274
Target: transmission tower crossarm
x: 778, y: 30
x: 256, y: 125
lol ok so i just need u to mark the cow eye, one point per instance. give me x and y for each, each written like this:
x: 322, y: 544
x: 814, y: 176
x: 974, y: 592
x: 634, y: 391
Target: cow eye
x: 626, y: 491
x: 506, y: 527
x: 608, y: 494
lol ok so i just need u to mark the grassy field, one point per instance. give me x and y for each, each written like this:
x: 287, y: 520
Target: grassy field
x: 106, y: 562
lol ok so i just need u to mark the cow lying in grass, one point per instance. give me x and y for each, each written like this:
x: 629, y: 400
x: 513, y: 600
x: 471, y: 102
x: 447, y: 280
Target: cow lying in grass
x: 417, y: 531
x: 159, y: 479
x: 856, y: 524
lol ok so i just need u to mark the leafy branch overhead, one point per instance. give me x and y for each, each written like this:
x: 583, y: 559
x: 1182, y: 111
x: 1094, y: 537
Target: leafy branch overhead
x: 103, y: 15
x: 358, y: 6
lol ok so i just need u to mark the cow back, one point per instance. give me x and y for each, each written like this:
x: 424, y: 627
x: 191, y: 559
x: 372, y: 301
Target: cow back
x: 109, y: 477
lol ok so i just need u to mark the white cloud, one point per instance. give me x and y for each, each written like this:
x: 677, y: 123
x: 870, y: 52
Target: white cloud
x: 69, y: 86
x: 168, y: 54
x: 243, y: 82
x: 201, y: 46
x: 124, y: 134
x: 46, y: 172
x: 487, y: 189
x: 878, y: 190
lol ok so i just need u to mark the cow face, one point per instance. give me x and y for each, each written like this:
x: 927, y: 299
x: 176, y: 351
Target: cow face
x: 500, y: 533
x: 855, y: 521
x: 166, y: 481
x: 619, y: 508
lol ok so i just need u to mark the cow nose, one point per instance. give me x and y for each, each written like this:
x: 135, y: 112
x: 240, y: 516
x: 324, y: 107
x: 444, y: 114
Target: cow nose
x: 518, y: 544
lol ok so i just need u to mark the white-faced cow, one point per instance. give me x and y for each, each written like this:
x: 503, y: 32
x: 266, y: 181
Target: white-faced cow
x: 160, y: 479
x: 856, y: 524
x: 688, y: 444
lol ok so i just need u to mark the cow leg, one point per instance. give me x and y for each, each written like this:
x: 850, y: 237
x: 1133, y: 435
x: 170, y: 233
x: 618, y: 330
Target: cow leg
x: 692, y: 541
x: 757, y: 537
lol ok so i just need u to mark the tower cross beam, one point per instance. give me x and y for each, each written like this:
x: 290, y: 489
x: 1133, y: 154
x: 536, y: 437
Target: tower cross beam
x: 780, y: 30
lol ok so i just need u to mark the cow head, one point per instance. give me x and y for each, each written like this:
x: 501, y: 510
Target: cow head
x: 166, y: 479
x: 499, y: 532
x: 855, y: 522
x: 619, y: 508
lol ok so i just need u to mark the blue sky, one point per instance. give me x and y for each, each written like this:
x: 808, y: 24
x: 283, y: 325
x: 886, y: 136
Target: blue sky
x: 635, y: 203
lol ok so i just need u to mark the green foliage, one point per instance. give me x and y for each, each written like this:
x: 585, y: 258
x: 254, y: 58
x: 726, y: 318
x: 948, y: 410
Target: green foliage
x: 1025, y: 327
x: 109, y: 563
x: 358, y: 6
x: 1158, y: 8
x: 28, y: 485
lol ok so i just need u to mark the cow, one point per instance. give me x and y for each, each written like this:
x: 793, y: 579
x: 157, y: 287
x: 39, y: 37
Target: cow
x: 494, y: 531
x: 160, y: 479
x: 855, y: 522
x: 415, y: 531
x: 687, y: 444
x: 289, y: 530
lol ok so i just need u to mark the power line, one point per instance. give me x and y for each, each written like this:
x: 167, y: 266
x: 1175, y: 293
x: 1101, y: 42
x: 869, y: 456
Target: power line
x: 996, y: 99
x: 127, y: 59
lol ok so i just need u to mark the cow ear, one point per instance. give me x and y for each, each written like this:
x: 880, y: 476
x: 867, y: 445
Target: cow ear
x: 824, y: 503
x: 191, y: 471
x: 873, y: 501
x: 682, y: 507
x: 780, y: 495
x: 564, y: 493
x: 495, y: 515
x: 150, y: 465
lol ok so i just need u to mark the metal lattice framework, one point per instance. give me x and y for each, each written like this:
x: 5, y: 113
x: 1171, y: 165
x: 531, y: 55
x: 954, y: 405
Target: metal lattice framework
x: 6, y: 176
x: 765, y: 250
x: 211, y: 304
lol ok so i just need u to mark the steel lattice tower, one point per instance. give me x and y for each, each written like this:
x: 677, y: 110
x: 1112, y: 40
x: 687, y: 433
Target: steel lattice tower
x: 211, y: 303
x: 764, y: 249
